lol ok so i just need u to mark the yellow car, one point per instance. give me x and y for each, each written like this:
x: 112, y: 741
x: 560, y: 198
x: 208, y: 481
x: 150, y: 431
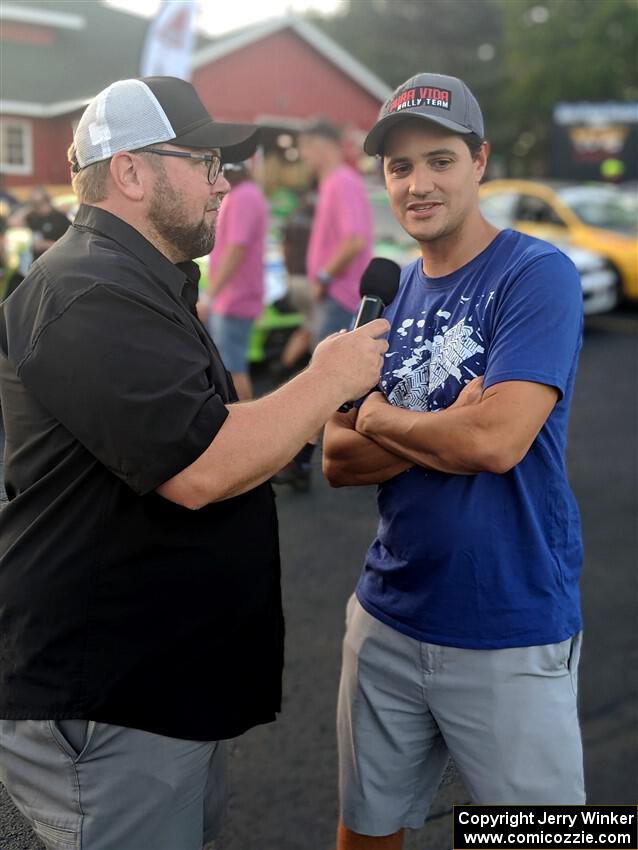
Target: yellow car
x: 594, y: 217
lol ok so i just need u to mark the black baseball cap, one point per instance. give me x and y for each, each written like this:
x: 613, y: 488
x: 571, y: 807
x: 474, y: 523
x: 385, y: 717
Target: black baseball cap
x: 444, y: 100
x: 131, y: 114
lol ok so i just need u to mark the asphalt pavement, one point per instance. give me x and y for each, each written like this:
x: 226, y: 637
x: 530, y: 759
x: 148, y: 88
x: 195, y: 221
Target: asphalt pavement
x: 283, y: 776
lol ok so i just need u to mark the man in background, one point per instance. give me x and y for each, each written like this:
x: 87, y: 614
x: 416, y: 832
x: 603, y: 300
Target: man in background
x: 339, y: 250
x: 4, y: 270
x: 8, y: 201
x: 235, y: 292
x: 47, y: 225
x: 295, y: 237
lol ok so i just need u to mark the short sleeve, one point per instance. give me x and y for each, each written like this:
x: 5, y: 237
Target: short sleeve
x: 351, y: 207
x: 131, y: 383
x: 537, y: 328
x: 240, y: 218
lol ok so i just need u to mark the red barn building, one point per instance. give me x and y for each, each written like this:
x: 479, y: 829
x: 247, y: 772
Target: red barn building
x: 56, y: 56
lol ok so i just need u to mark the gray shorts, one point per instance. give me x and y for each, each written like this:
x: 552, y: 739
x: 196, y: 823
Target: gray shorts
x: 99, y: 787
x: 231, y: 335
x: 507, y: 717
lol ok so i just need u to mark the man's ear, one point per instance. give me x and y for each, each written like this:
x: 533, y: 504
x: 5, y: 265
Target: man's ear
x: 129, y: 175
x: 480, y: 161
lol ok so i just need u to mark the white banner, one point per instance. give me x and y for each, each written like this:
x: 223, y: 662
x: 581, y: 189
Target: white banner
x: 169, y: 41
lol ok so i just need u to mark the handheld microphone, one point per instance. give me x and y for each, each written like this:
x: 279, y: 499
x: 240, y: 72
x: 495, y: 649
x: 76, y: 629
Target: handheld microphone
x: 379, y: 284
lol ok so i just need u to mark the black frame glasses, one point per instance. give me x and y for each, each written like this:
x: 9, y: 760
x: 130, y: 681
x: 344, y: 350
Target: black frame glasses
x: 214, y: 161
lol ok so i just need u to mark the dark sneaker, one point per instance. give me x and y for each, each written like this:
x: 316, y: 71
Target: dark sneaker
x: 297, y: 476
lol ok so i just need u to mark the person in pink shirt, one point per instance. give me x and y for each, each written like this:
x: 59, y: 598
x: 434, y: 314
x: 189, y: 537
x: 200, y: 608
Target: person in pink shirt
x: 339, y: 250
x: 235, y: 293
x: 340, y: 245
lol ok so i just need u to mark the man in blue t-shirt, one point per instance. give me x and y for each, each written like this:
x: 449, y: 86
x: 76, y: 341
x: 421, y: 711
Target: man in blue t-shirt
x: 464, y: 632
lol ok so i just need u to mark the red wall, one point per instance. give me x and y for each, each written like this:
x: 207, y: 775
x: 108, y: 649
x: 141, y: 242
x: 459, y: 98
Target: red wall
x: 55, y: 137
x: 50, y: 138
x: 282, y: 75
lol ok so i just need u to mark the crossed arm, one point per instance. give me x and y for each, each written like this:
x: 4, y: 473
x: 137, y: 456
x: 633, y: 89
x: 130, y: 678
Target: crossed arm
x: 487, y: 431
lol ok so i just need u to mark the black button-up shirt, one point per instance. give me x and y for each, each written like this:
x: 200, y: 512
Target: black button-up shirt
x: 115, y: 604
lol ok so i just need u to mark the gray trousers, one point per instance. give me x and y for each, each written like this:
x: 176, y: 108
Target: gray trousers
x: 93, y: 786
x: 507, y: 717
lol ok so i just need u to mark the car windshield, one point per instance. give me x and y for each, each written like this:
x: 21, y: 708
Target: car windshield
x: 599, y: 207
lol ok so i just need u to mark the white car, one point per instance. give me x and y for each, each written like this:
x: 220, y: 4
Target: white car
x: 597, y: 279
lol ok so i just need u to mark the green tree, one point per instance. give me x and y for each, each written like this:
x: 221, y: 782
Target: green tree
x: 520, y: 57
x: 399, y: 38
x: 563, y: 50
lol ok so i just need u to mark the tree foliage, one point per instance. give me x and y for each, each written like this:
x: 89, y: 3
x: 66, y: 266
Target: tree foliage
x: 573, y: 50
x: 519, y: 57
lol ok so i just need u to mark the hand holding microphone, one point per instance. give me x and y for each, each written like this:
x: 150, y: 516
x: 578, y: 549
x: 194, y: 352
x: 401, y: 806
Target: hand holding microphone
x: 354, y: 359
x: 379, y: 284
x: 351, y: 362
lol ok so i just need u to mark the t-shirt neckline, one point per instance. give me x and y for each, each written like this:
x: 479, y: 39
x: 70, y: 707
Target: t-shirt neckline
x: 451, y: 278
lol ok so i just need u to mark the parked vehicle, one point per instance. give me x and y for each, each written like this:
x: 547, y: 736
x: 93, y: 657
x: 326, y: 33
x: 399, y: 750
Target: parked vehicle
x: 592, y: 223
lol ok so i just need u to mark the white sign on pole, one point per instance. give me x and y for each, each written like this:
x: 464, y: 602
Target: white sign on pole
x: 169, y: 42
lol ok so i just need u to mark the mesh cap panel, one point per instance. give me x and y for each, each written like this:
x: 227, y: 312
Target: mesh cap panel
x: 123, y: 117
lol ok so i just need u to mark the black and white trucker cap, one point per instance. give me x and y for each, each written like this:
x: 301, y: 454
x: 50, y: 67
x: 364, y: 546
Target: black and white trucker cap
x: 432, y: 97
x: 132, y: 114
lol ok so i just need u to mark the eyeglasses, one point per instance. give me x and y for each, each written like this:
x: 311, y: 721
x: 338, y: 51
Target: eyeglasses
x: 214, y: 161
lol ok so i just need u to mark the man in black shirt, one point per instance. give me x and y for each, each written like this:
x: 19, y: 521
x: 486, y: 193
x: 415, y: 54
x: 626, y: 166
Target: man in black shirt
x: 47, y: 225
x: 140, y: 606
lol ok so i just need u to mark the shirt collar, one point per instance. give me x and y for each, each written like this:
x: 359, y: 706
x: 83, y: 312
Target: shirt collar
x: 190, y: 289
x: 181, y: 278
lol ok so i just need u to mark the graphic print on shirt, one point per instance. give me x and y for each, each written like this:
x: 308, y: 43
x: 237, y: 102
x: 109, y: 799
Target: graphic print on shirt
x: 433, y: 354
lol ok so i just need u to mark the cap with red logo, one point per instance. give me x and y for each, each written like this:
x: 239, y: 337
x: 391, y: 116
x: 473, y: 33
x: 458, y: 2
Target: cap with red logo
x: 433, y: 97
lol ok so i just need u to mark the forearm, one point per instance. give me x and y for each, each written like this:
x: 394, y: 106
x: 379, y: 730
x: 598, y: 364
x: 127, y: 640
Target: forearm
x: 350, y: 459
x: 257, y: 439
x: 448, y: 441
x: 489, y: 431
x: 227, y: 267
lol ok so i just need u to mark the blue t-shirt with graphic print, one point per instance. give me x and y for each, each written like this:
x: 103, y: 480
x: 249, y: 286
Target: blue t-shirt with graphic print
x: 482, y: 561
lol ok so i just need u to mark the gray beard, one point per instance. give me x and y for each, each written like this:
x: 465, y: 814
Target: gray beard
x: 166, y: 214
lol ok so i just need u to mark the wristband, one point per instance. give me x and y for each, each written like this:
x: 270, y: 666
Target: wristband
x: 324, y: 278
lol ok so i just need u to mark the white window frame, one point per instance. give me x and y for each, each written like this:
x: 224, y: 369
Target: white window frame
x: 26, y: 168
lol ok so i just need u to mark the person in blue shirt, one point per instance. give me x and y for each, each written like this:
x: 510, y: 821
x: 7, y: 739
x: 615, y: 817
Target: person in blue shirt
x: 463, y: 635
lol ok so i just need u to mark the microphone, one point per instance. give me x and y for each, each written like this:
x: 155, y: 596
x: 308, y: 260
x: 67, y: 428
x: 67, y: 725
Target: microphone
x: 379, y: 284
